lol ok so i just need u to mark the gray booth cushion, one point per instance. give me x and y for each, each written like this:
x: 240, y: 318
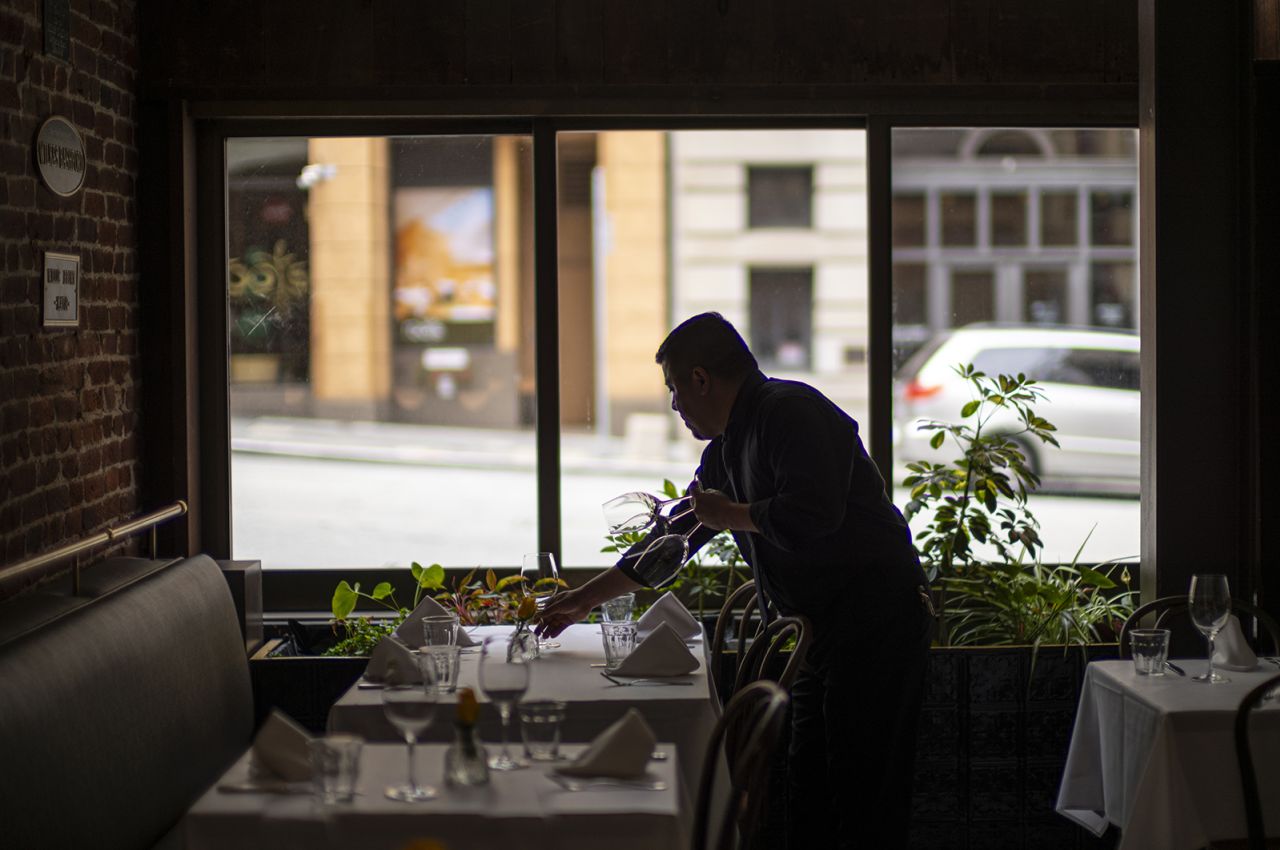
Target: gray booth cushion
x: 117, y: 715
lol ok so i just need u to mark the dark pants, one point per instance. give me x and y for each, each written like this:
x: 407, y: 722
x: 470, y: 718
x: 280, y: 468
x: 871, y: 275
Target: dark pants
x: 855, y: 708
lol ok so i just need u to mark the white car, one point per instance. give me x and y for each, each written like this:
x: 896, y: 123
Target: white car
x: 1090, y: 379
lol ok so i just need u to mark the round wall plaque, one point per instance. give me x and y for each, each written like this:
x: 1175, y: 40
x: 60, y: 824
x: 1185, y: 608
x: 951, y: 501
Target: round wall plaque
x: 60, y: 156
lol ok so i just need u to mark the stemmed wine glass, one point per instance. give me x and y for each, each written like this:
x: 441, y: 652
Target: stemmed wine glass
x: 661, y: 560
x: 1210, y: 603
x: 504, y: 678
x: 540, y: 565
x: 410, y: 708
x: 637, y: 511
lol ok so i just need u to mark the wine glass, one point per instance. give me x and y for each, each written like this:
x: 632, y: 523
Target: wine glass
x: 660, y: 562
x: 632, y: 512
x: 1210, y: 603
x: 540, y: 565
x: 504, y: 678
x: 410, y: 708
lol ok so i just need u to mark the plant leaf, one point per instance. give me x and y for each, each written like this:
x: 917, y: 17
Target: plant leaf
x: 344, y: 601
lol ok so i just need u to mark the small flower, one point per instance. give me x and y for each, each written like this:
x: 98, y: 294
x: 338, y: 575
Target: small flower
x: 528, y: 607
x: 468, y: 708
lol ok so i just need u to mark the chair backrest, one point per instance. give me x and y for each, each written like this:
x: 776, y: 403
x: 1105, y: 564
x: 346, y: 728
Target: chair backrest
x: 1244, y: 758
x: 741, y: 748
x: 762, y: 659
x: 1172, y: 605
x: 744, y: 595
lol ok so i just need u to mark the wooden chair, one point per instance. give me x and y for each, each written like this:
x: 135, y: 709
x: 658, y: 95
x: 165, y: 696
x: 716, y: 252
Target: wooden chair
x: 1248, y: 777
x: 1172, y: 605
x: 764, y: 656
x: 741, y: 749
x: 729, y: 622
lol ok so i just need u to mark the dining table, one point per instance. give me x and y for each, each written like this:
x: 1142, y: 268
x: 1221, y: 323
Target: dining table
x: 1155, y: 756
x: 523, y: 809
x: 570, y: 672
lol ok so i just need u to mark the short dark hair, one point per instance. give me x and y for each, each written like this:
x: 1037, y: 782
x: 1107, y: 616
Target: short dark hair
x: 709, y: 341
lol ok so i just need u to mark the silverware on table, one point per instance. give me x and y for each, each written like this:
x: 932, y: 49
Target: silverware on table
x: 570, y: 783
x: 1175, y: 668
x: 642, y: 682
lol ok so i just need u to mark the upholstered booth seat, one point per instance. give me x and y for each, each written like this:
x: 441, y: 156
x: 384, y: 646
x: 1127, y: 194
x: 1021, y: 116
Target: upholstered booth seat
x: 118, y: 707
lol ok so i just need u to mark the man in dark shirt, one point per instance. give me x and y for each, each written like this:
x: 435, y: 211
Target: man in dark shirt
x: 786, y: 472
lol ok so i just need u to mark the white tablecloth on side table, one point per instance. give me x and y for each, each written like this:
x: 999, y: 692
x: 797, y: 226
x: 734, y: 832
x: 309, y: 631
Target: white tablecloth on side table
x: 682, y: 714
x: 1156, y: 757
x: 519, y: 809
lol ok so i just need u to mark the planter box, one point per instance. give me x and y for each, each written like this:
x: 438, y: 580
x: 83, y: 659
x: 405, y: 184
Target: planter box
x: 303, y: 686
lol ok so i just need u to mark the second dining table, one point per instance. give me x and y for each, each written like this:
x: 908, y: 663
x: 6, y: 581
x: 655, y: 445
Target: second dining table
x: 570, y: 672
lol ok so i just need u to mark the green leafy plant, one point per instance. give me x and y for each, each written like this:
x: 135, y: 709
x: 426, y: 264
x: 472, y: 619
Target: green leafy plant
x: 708, y: 577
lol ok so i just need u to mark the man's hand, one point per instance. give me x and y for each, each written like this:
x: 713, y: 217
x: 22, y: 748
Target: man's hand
x: 717, y: 511
x: 561, y: 611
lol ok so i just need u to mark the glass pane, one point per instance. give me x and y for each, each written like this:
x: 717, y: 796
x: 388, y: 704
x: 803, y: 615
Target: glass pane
x: 779, y: 197
x: 1113, y: 295
x: 1111, y: 218
x: 1008, y: 219
x: 973, y: 297
x: 959, y: 219
x: 1044, y: 293
x: 380, y: 303
x: 908, y: 221
x: 1059, y: 268
x: 1058, y: 219
x: 651, y: 233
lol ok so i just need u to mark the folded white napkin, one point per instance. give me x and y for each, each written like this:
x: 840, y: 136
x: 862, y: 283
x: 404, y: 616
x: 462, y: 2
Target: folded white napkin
x: 1230, y: 650
x: 620, y: 751
x: 393, y: 663
x: 410, y: 631
x: 662, y: 653
x: 669, y: 610
x: 281, y: 750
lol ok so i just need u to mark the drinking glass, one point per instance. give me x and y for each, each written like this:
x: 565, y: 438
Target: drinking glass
x: 540, y: 565
x: 335, y: 767
x: 618, y: 609
x: 1210, y: 602
x: 540, y: 728
x: 632, y: 512
x: 439, y: 629
x: 410, y: 708
x: 1150, y: 649
x: 439, y: 665
x: 619, y: 640
x: 504, y: 678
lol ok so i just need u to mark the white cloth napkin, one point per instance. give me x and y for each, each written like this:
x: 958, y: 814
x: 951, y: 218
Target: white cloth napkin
x: 280, y: 751
x: 669, y: 610
x: 620, y: 751
x: 393, y: 663
x: 1230, y: 650
x: 662, y: 653
x: 410, y: 631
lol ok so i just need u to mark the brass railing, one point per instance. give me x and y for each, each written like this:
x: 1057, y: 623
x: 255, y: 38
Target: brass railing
x: 13, y: 576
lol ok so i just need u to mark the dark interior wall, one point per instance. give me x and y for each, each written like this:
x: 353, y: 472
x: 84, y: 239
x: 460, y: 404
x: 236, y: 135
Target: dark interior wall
x: 69, y: 398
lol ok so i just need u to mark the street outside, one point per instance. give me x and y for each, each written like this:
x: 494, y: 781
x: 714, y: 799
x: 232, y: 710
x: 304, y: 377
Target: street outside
x: 321, y: 494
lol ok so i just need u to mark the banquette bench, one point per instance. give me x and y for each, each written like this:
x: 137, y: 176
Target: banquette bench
x: 119, y: 705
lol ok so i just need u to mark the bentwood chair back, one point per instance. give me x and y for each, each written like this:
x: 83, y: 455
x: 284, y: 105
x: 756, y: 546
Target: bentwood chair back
x: 741, y: 748
x: 764, y: 657
x: 1248, y: 776
x: 727, y: 624
x: 1177, y: 606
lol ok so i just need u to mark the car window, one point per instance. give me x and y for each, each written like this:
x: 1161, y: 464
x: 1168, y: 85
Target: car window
x: 1101, y: 368
x: 1036, y: 363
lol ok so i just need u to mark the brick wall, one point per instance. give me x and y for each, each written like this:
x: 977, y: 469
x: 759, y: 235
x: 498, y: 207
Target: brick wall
x: 68, y: 397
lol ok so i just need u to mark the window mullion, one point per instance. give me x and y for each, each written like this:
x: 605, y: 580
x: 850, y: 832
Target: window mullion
x: 546, y: 336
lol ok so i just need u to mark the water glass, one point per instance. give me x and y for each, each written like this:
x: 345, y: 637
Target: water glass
x: 540, y: 728
x: 440, y: 630
x: 619, y: 640
x: 618, y: 609
x: 1150, y: 651
x: 335, y: 767
x: 439, y: 665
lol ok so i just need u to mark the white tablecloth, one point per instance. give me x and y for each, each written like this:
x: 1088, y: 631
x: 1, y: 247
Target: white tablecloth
x: 682, y: 714
x: 521, y: 808
x: 1156, y: 757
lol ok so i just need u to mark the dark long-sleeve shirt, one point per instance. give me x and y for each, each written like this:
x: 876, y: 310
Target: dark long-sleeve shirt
x: 828, y: 532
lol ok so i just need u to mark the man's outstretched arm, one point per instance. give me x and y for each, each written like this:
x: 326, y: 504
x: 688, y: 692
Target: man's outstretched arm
x: 568, y: 607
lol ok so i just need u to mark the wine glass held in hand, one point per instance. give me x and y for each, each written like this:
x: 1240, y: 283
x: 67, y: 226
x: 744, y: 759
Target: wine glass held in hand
x: 632, y: 512
x: 504, y: 678
x: 536, y: 567
x: 410, y: 708
x: 1210, y: 606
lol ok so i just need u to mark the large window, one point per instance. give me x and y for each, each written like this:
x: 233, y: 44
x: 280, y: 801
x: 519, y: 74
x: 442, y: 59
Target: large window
x: 1015, y: 250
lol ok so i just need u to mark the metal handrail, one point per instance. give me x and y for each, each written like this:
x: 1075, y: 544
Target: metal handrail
x: 37, y: 567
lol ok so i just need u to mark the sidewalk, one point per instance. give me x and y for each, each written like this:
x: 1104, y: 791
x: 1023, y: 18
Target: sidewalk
x: 464, y: 448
